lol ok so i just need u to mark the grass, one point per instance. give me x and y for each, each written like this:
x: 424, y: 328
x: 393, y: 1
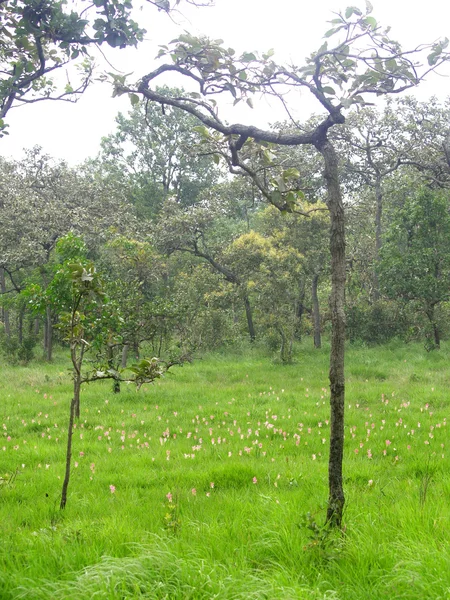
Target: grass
x: 219, y: 476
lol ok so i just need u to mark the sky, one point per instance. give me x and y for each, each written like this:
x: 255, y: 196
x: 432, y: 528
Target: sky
x: 292, y: 28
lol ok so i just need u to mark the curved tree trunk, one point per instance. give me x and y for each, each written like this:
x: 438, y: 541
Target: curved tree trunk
x: 336, y: 497
x: 316, y: 312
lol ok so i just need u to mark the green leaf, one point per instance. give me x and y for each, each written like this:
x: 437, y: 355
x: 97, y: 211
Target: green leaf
x: 216, y: 158
x: 371, y: 22
x: 243, y: 76
x: 250, y: 102
x: 329, y: 90
x: 134, y: 99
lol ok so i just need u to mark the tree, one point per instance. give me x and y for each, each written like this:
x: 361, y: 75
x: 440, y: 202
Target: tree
x: 307, y: 235
x: 415, y: 258
x: 42, y: 200
x: 363, y: 61
x: 155, y: 154
x: 197, y: 230
x: 41, y: 37
x: 269, y: 268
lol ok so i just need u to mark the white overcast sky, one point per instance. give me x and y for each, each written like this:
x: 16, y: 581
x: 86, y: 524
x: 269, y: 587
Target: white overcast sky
x: 291, y: 27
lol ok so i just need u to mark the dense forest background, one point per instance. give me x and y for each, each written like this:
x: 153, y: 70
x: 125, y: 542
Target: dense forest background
x: 192, y: 259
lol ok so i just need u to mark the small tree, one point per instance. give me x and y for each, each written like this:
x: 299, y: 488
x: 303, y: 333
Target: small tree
x: 415, y: 258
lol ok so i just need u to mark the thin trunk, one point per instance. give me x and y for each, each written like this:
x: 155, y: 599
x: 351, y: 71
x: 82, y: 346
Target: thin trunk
x: 36, y: 327
x: 136, y: 350
x: 436, y: 335
x: 123, y: 363
x: 110, y: 360
x: 299, y: 310
x: 5, y: 312
x: 49, y: 334
x: 249, y: 315
x: 378, y: 240
x: 75, y: 401
x: 286, y: 346
x: 20, y: 324
x: 316, y: 312
x: 336, y: 498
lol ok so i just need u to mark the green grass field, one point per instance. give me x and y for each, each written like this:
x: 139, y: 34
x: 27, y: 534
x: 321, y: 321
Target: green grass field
x: 213, y: 482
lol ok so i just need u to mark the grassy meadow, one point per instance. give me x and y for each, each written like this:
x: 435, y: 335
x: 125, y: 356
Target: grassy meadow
x: 212, y: 483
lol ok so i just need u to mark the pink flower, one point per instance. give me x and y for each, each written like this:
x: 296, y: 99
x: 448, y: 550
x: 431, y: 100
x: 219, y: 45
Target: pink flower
x: 169, y: 497
x: 194, y: 492
x: 254, y: 480
x: 211, y: 485
x: 112, y: 489
x: 388, y: 442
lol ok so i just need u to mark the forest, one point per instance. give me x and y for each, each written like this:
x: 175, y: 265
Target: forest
x: 195, y: 267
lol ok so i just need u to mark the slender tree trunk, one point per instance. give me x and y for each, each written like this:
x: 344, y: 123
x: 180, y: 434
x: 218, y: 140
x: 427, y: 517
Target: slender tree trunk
x: 123, y: 363
x: 36, y: 327
x: 49, y: 334
x: 378, y: 240
x: 336, y: 498
x: 74, y: 405
x: 110, y: 360
x: 63, y: 502
x: 5, y: 312
x: 20, y: 324
x: 436, y: 335
x: 316, y: 311
x: 249, y: 315
x: 300, y: 309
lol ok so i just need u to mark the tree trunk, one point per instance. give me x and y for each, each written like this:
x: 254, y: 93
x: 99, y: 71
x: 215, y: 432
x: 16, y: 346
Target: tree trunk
x: 432, y: 319
x: 73, y: 405
x: 336, y: 497
x: 123, y: 363
x: 249, y: 315
x: 299, y: 310
x: 5, y: 312
x: 48, y: 334
x: 378, y: 241
x: 20, y: 324
x: 316, y: 312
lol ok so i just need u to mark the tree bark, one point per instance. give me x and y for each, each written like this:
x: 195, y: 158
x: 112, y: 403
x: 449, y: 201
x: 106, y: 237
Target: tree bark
x: 378, y: 240
x: 436, y: 334
x: 299, y: 309
x: 49, y: 334
x: 336, y: 497
x: 249, y: 315
x: 73, y: 404
x: 20, y: 324
x: 316, y: 311
x: 124, y: 359
x: 5, y: 312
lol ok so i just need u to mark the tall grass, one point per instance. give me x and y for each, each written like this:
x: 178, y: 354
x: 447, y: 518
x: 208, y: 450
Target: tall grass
x: 213, y: 482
